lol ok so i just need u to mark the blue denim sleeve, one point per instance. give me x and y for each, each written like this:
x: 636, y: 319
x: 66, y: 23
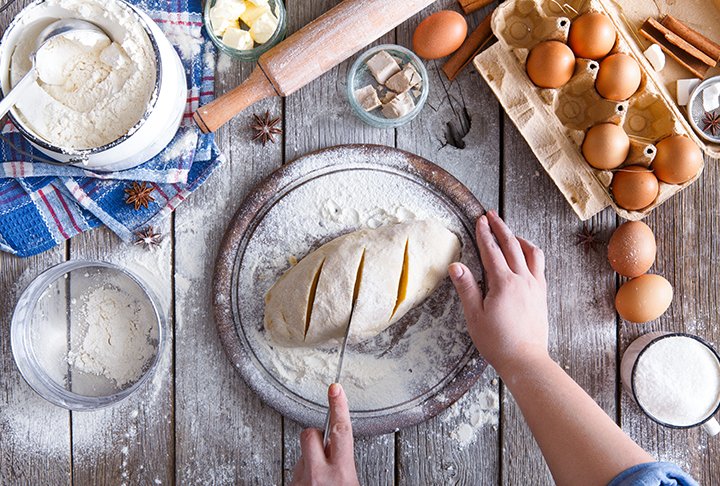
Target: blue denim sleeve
x: 654, y: 474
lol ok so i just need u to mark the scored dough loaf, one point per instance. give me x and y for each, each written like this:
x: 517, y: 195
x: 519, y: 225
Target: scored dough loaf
x: 397, y: 266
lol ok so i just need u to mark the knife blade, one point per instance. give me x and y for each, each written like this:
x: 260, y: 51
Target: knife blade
x: 326, y: 434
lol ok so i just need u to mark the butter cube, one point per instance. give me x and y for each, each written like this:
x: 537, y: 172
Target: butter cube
x: 684, y: 88
x: 368, y: 98
x: 263, y: 28
x: 401, y: 105
x: 252, y: 12
x: 234, y: 8
x: 382, y: 66
x: 404, y: 80
x: 711, y: 97
x: 655, y: 55
x: 258, y: 3
x: 238, y: 39
x: 221, y: 19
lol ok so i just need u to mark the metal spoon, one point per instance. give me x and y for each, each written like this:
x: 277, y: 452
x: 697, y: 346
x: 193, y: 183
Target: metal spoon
x: 58, y: 28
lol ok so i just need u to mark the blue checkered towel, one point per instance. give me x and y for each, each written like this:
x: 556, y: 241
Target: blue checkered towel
x: 42, y: 205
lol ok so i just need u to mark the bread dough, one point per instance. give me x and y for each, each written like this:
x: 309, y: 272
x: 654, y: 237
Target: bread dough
x: 396, y: 266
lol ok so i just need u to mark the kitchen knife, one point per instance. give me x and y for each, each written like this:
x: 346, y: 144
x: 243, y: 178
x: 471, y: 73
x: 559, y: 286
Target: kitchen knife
x: 326, y: 434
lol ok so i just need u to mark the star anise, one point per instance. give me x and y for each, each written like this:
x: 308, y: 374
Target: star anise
x: 711, y: 122
x: 139, y: 195
x: 148, y: 238
x: 265, y: 128
x: 588, y: 239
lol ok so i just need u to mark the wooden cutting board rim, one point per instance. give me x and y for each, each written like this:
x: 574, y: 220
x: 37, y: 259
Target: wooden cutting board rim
x: 253, y: 208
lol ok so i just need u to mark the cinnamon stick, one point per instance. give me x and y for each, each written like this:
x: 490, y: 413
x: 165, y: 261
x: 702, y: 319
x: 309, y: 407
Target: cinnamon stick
x: 469, y: 6
x: 682, y: 51
x: 698, y: 40
x: 474, y: 43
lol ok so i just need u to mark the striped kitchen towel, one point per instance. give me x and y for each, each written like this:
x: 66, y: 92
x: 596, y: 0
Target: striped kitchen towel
x: 42, y: 205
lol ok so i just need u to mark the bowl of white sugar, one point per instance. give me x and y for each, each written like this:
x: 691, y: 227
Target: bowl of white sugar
x: 675, y: 379
x: 102, y: 103
x: 86, y: 334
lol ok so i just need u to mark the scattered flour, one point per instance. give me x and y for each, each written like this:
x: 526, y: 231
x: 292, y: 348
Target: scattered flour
x: 224, y: 63
x: 483, y: 409
x: 113, y: 335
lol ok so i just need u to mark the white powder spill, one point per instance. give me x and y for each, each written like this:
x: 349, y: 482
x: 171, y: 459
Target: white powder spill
x: 474, y: 412
x: 224, y: 63
x: 677, y: 380
x: 114, y: 338
x: 188, y: 44
x: 401, y: 366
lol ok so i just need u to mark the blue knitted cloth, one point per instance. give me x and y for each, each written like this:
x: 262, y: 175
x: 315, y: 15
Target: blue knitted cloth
x: 42, y: 205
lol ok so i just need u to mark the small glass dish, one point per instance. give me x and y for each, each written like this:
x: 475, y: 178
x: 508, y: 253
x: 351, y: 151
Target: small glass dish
x: 86, y: 334
x: 277, y: 8
x: 699, y: 118
x: 360, y: 76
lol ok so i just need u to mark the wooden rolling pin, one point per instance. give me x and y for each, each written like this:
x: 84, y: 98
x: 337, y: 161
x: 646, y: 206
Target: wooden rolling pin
x: 316, y: 48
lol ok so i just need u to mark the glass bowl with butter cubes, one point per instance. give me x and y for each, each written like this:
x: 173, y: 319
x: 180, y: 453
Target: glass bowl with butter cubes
x: 387, y: 86
x: 245, y: 29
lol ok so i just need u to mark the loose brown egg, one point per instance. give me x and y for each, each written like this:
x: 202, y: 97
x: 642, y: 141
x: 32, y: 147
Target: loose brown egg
x: 631, y: 249
x: 439, y: 35
x: 592, y: 36
x: 634, y: 187
x: 618, y: 77
x: 678, y: 159
x: 606, y: 146
x: 550, y: 64
x: 643, y: 298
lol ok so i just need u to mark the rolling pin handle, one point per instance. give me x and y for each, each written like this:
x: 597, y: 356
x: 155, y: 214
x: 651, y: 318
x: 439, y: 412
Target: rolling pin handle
x: 215, y: 114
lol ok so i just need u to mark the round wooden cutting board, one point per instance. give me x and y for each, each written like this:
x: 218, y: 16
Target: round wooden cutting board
x: 412, y: 371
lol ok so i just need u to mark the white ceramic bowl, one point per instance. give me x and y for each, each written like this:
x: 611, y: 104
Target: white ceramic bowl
x: 58, y: 323
x: 143, y: 141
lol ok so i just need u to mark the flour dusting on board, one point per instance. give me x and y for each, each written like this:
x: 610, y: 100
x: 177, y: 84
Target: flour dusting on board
x: 403, y: 365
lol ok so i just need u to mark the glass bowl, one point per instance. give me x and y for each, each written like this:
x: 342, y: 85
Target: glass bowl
x: 277, y: 8
x: 360, y: 76
x: 86, y: 334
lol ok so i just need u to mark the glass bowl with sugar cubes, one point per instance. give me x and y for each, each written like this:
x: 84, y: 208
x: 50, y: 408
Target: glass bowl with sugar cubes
x: 387, y: 86
x: 245, y: 29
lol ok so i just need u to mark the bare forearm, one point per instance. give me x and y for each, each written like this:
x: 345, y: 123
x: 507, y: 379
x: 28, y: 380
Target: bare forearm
x: 581, y: 444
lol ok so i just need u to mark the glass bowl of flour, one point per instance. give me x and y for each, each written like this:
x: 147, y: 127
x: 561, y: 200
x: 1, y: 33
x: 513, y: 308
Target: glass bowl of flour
x: 86, y: 334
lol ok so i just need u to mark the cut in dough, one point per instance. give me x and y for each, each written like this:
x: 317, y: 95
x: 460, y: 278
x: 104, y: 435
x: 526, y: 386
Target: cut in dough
x: 396, y: 266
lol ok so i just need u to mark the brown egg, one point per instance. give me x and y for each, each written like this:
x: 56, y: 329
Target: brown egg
x: 634, y: 187
x: 643, y: 298
x: 439, y: 35
x: 592, y: 36
x: 631, y: 249
x: 550, y: 64
x: 678, y: 159
x: 618, y: 77
x: 606, y: 146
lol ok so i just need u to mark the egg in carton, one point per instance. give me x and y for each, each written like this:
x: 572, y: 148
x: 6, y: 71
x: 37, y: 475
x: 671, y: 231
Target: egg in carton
x: 555, y: 121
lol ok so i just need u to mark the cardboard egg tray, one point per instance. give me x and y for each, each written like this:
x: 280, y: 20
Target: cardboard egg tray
x: 554, y: 121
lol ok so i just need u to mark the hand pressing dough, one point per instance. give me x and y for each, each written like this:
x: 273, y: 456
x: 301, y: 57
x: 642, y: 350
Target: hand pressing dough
x: 398, y: 266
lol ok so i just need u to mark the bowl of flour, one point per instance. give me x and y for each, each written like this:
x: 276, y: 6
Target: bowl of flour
x: 86, y: 334
x: 106, y: 104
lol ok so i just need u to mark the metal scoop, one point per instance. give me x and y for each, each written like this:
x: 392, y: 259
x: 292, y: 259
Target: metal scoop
x: 58, y: 28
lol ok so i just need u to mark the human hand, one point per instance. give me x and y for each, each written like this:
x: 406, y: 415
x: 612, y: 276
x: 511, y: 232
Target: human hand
x: 510, y: 323
x: 336, y: 465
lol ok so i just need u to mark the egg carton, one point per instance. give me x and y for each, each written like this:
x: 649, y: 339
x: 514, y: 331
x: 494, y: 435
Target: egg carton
x: 554, y: 121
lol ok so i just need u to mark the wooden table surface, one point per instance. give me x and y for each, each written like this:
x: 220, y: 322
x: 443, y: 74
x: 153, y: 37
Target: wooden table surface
x: 196, y: 421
